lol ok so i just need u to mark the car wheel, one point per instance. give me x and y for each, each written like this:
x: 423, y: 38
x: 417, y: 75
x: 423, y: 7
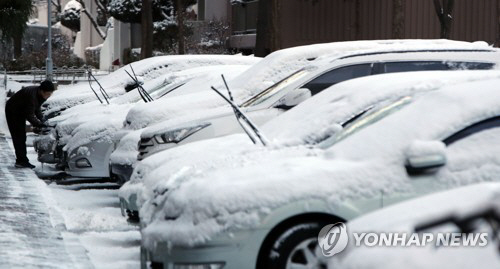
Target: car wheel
x: 294, y: 248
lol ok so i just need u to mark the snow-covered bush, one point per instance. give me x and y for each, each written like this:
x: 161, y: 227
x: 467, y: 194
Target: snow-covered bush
x: 70, y: 16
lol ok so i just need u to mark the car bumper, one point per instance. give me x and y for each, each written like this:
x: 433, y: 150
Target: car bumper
x: 123, y: 172
x: 239, y: 251
x: 90, y: 163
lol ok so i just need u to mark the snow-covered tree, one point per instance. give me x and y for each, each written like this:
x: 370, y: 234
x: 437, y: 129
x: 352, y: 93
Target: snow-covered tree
x: 70, y: 15
x: 13, y: 17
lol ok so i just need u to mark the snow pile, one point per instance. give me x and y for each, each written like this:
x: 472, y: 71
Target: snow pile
x: 238, y: 198
x: 405, y: 216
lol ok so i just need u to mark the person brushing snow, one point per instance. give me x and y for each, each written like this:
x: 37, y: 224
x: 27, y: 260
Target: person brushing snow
x: 25, y: 105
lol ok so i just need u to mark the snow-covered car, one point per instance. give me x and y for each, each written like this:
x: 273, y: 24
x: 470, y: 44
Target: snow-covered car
x: 81, y: 130
x: 150, y: 71
x: 156, y: 74
x: 471, y: 212
x: 262, y: 212
x: 303, y: 126
x: 272, y: 70
x: 270, y: 101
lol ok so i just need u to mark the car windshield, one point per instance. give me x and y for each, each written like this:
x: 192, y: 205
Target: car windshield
x: 271, y: 91
x: 369, y: 117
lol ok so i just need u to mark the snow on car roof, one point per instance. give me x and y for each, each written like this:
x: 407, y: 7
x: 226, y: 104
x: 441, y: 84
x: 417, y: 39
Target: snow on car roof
x: 148, y: 69
x: 280, y: 64
x: 405, y: 216
x: 233, y: 198
x: 311, y: 120
x: 81, y: 127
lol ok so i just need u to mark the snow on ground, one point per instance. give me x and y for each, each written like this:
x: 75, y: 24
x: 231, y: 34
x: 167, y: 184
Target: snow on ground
x: 92, y: 219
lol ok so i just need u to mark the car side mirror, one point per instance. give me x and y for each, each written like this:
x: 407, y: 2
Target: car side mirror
x: 425, y: 157
x: 294, y: 98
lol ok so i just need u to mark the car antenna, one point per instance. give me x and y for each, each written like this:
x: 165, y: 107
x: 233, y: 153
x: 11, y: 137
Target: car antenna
x: 142, y: 88
x: 138, y: 89
x: 243, y: 120
x: 92, y: 88
x: 103, y: 92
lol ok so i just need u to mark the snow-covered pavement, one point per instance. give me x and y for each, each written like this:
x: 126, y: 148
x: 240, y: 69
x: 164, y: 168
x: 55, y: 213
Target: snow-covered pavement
x: 46, y: 225
x: 28, y: 236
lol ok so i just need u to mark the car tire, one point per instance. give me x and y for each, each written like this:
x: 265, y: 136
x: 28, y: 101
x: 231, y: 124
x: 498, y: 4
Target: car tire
x: 293, y: 246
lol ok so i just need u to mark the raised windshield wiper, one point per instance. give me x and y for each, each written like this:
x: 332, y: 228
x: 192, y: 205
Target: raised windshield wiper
x: 246, y: 124
x: 101, y: 89
x: 142, y: 92
x: 92, y: 88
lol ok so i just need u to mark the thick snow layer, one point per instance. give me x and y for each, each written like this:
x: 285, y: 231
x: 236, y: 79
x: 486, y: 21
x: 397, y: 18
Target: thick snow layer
x: 148, y: 69
x: 82, y: 124
x: 192, y: 98
x: 199, y: 205
x: 404, y: 217
x: 309, y: 123
x: 280, y: 64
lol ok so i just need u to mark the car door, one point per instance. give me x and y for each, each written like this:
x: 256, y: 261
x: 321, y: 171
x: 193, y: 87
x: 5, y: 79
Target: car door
x: 472, y: 156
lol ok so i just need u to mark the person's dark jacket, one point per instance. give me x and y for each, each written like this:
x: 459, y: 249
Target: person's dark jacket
x: 26, y: 103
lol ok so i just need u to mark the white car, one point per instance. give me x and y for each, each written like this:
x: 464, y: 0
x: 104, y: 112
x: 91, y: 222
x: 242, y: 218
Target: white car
x: 157, y: 75
x: 306, y: 82
x: 86, y: 140
x: 472, y: 211
x: 264, y: 212
x: 275, y: 69
x: 303, y: 126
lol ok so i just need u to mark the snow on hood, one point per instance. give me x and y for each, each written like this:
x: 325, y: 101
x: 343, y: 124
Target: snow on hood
x: 405, y: 216
x: 147, y: 69
x: 308, y: 123
x: 238, y: 198
x: 195, y: 95
x: 90, y: 112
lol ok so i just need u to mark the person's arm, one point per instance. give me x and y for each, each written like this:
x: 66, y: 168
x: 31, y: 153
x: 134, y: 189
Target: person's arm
x: 31, y: 113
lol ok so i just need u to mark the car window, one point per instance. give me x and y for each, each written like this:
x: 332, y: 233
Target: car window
x: 338, y: 75
x: 271, y: 91
x: 393, y: 67
x: 367, y: 118
x: 473, y: 129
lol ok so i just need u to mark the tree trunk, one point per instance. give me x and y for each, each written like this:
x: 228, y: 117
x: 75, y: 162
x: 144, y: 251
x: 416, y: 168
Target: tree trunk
x: 18, y: 45
x: 357, y: 19
x: 275, y: 34
x: 180, y: 24
x: 262, y: 46
x: 147, y: 29
x: 398, y: 19
x: 497, y: 42
x: 444, y: 12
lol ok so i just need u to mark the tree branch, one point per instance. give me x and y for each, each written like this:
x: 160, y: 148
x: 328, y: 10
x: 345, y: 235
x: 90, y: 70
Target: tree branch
x: 92, y: 20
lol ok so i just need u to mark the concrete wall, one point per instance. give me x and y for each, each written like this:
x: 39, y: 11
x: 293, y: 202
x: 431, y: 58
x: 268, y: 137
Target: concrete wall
x: 88, y: 36
x: 216, y: 10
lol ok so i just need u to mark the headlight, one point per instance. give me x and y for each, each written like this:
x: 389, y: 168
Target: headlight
x: 83, y: 163
x: 178, y: 135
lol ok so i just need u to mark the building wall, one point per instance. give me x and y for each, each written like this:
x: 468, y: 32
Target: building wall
x: 305, y: 22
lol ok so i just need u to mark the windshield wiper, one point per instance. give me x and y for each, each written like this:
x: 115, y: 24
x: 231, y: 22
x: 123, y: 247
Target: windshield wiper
x: 142, y: 92
x: 101, y: 89
x: 92, y: 88
x: 246, y: 124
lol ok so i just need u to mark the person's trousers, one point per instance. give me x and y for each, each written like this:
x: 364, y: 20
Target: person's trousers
x: 17, y: 128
